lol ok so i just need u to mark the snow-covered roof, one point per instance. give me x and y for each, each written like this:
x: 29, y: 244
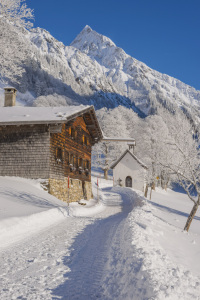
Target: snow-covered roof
x: 130, y: 141
x: 39, y: 115
x: 134, y: 157
x: 20, y: 115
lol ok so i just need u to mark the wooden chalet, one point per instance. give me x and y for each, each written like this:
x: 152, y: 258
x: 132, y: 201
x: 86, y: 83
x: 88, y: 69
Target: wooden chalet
x: 52, y: 143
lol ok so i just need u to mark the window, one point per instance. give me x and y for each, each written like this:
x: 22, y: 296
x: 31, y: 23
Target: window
x: 67, y: 157
x: 59, y: 154
x: 87, y: 164
x: 71, y: 162
x: 80, y: 163
x: 84, y: 164
x: 85, y: 140
x: 77, y: 162
x: 71, y: 159
x: 73, y: 134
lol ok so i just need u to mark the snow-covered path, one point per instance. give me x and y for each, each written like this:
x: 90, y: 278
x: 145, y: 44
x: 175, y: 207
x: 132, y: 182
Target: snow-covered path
x: 101, y: 263
x: 79, y: 258
x: 122, y: 248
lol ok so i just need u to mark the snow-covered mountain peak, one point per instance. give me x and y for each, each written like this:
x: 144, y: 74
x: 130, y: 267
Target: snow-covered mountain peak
x: 91, y: 42
x: 104, y: 50
x: 93, y: 70
x: 134, y: 79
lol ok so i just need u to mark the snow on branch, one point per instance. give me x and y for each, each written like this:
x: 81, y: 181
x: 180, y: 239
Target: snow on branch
x: 16, y: 12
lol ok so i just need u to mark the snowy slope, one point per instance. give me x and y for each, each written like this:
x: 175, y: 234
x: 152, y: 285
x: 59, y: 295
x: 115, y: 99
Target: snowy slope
x: 133, y: 78
x: 85, y: 76
x: 26, y: 209
x: 93, y: 70
x: 167, y: 253
x: 128, y: 248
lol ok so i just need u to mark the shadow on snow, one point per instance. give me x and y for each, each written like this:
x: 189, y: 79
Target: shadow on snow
x: 89, y: 253
x: 172, y: 210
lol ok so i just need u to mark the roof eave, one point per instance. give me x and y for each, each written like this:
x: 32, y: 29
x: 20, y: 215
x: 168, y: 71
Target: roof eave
x: 98, y: 136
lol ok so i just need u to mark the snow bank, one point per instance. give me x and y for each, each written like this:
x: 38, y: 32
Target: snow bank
x: 26, y: 209
x: 169, y: 255
x: 13, y: 230
x: 86, y: 208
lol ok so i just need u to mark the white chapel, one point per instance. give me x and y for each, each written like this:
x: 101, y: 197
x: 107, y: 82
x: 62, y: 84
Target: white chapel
x: 129, y: 171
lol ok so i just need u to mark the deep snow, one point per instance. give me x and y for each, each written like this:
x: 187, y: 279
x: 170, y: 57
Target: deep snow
x: 124, y: 247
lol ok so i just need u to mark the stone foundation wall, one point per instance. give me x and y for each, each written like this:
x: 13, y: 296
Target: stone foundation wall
x: 59, y: 189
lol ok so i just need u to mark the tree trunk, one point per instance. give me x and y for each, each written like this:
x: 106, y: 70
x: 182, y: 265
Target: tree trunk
x: 153, y: 186
x: 151, y: 192
x: 106, y: 174
x: 191, y: 215
x: 166, y: 183
x: 162, y: 180
x: 146, y: 191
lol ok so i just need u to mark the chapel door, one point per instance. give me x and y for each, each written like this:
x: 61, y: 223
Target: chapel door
x: 128, y: 181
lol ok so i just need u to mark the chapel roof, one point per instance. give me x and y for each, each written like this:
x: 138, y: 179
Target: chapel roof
x: 133, y: 156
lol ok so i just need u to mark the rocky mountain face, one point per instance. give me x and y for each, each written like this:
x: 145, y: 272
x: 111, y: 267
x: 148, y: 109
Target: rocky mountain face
x: 93, y: 70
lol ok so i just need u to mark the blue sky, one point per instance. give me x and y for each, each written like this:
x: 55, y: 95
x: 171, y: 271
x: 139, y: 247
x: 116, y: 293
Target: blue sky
x: 163, y: 34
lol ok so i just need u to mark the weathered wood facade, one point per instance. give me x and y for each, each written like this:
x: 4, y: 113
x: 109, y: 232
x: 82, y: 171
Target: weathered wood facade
x: 71, y: 151
x: 70, y: 156
x: 59, y: 151
x: 24, y: 151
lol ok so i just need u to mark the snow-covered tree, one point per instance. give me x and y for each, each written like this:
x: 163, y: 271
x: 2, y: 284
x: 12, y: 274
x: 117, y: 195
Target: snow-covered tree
x: 16, y: 12
x: 183, y: 159
x: 14, y: 18
x: 113, y: 124
x: 53, y: 100
x: 12, y: 50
